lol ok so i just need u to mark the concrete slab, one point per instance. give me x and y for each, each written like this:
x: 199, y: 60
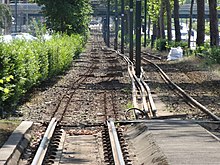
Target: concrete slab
x: 185, y: 143
x: 13, y: 142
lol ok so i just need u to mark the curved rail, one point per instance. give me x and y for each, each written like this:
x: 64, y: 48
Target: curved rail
x: 139, y: 86
x: 184, y: 94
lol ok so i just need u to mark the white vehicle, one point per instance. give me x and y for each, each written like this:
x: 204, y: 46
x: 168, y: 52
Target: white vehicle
x: 6, y: 38
x: 24, y: 36
x: 94, y: 25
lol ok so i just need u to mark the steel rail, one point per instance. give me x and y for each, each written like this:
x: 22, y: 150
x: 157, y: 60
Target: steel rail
x: 192, y: 100
x: 153, y: 108
x: 115, y: 144
x: 139, y: 84
x: 42, y: 149
x: 154, y: 56
x: 134, y: 91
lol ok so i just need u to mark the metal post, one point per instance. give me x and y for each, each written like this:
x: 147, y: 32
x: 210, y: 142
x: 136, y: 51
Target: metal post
x: 145, y: 23
x: 116, y: 25
x: 131, y: 50
x: 104, y: 30
x: 108, y: 23
x: 138, y: 38
x: 16, y: 16
x: 122, y: 26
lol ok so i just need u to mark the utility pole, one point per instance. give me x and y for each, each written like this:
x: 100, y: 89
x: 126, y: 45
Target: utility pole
x: 145, y: 23
x: 138, y: 39
x: 122, y: 26
x: 116, y: 25
x: 16, y: 16
x: 108, y: 23
x: 131, y: 44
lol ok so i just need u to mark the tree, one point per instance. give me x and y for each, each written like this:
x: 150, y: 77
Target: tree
x: 161, y: 20
x: 169, y: 20
x: 190, y: 23
x: 67, y: 15
x: 200, y: 22
x: 176, y: 21
x: 214, y: 33
x: 5, y: 17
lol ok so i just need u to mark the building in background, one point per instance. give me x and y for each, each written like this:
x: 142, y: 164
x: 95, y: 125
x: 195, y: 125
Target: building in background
x: 23, y: 15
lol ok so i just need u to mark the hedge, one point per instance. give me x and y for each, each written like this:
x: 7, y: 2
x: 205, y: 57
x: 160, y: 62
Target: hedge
x: 24, y: 64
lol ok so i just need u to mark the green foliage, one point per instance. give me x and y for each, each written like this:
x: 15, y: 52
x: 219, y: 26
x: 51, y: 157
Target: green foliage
x: 211, y: 53
x: 67, y: 15
x: 160, y: 44
x: 148, y: 40
x: 164, y: 44
x: 25, y: 64
x: 215, y: 55
x: 5, y: 16
x: 182, y: 44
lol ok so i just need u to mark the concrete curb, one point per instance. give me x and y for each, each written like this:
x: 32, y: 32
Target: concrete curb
x: 15, y: 145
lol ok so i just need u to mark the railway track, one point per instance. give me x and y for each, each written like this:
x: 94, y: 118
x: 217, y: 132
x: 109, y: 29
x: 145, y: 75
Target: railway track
x: 97, y: 139
x: 51, y: 149
x: 63, y: 133
x: 187, y: 98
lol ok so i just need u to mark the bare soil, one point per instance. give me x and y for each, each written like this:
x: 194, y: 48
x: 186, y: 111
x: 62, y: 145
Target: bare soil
x: 6, y: 128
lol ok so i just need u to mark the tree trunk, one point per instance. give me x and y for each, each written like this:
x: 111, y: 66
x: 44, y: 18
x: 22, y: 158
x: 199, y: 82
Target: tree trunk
x: 190, y: 23
x: 161, y: 21
x: 214, y: 33
x: 169, y: 20
x: 200, y: 22
x: 148, y: 26
x: 176, y: 21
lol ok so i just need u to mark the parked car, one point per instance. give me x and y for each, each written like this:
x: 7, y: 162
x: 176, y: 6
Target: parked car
x: 94, y: 25
x: 25, y: 36
x: 6, y: 38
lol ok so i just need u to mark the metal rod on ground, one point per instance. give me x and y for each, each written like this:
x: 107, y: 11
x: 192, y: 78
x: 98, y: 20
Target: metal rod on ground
x: 116, y: 148
x: 145, y: 23
x: 138, y: 38
x: 42, y: 149
x: 116, y: 25
x: 108, y: 23
x: 131, y: 45
x: 122, y: 26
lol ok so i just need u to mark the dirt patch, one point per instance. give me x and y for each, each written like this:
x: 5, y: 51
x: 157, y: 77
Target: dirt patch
x: 6, y: 128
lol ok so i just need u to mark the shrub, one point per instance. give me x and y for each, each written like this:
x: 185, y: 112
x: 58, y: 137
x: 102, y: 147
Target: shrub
x: 160, y: 44
x: 215, y: 54
x: 24, y: 64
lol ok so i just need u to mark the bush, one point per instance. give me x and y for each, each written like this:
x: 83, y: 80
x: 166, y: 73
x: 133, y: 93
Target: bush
x: 160, y: 44
x: 214, y: 54
x: 182, y: 44
x: 24, y: 64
